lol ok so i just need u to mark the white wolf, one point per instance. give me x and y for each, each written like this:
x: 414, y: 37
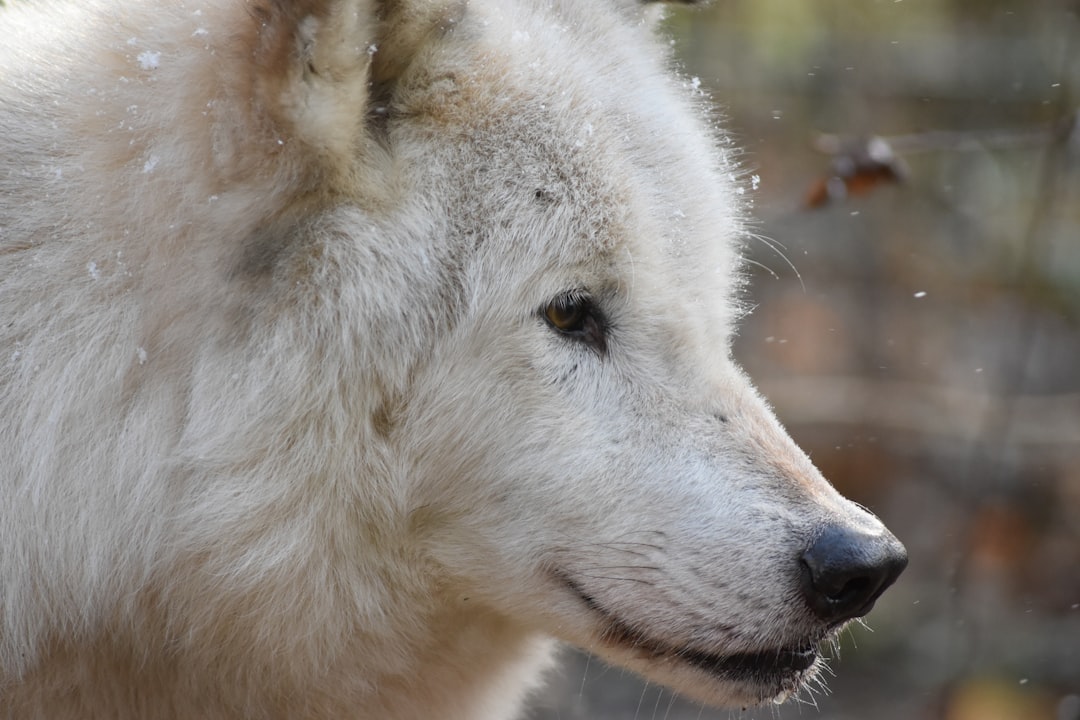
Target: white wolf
x: 354, y: 352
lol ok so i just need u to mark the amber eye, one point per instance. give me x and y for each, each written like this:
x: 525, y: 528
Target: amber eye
x: 575, y: 315
x: 567, y: 313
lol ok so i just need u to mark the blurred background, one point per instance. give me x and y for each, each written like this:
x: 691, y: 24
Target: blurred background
x: 915, y: 166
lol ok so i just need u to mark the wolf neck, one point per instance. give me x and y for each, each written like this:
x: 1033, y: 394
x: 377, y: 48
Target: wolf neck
x: 484, y: 671
x: 479, y: 666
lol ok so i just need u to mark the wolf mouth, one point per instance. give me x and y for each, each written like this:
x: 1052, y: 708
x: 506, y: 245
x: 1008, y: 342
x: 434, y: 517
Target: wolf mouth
x: 748, y: 666
x: 756, y: 667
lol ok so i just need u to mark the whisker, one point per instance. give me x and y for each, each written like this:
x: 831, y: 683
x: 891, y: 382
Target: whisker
x: 671, y: 703
x: 640, y: 581
x: 777, y: 247
x: 766, y: 268
x: 584, y: 675
x: 644, y: 689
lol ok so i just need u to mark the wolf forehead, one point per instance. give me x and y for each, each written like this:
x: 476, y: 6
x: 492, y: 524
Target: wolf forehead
x: 508, y: 99
x: 519, y: 139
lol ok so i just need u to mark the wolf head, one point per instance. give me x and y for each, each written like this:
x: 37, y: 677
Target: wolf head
x: 424, y: 311
x: 586, y: 454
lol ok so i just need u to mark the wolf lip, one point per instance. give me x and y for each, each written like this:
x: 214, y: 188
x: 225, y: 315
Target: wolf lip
x: 764, y: 663
x: 769, y: 663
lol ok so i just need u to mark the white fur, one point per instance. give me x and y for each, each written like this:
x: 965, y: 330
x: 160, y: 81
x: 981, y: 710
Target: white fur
x: 283, y: 432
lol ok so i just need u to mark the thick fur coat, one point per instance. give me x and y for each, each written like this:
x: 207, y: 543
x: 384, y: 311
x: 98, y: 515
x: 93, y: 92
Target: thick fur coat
x: 352, y: 353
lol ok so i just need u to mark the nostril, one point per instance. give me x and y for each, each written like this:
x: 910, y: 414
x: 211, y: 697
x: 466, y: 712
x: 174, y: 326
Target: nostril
x: 845, y: 571
x: 852, y: 590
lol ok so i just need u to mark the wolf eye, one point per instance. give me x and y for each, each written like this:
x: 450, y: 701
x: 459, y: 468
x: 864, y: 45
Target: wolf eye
x: 567, y: 313
x: 575, y: 315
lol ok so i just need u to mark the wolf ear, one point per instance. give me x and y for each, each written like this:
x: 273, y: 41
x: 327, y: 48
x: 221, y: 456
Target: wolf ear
x: 313, y: 59
x: 319, y: 61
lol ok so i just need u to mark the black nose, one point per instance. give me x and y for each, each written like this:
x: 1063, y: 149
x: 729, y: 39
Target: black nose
x: 847, y: 569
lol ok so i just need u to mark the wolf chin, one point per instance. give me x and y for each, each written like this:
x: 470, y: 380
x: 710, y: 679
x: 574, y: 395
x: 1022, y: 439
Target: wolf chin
x: 353, y: 353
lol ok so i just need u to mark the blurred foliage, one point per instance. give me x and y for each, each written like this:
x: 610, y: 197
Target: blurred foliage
x: 917, y: 327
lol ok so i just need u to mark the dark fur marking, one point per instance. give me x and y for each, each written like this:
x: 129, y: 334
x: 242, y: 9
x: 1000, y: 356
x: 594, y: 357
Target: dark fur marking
x: 261, y: 251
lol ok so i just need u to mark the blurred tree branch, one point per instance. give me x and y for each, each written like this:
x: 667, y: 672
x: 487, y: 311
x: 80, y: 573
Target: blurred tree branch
x: 861, y: 164
x: 1040, y: 424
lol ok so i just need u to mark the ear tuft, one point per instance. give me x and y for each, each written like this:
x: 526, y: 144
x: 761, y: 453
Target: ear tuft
x: 407, y: 29
x: 314, y: 59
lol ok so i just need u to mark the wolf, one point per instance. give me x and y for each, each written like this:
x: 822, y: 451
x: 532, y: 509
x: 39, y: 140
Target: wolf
x: 354, y: 354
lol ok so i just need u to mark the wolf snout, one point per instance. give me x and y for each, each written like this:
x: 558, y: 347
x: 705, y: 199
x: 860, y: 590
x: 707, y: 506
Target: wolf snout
x: 846, y: 569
